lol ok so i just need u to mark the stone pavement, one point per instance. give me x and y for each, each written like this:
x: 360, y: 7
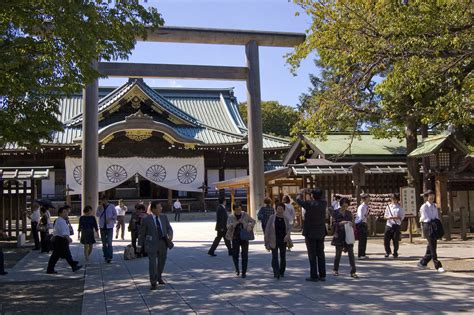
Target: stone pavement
x: 198, y: 283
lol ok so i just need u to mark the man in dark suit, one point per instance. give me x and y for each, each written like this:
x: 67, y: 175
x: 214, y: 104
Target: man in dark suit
x: 154, y: 230
x: 221, y: 228
x: 314, y: 231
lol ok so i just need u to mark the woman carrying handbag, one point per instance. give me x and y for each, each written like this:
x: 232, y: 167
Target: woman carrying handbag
x: 342, y: 221
x: 277, y: 238
x: 239, y: 231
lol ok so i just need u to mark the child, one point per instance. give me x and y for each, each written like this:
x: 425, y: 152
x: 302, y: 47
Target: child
x: 87, y: 225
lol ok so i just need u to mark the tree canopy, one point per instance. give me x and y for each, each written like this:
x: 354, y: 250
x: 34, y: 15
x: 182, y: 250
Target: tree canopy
x: 277, y: 119
x: 46, y: 49
x: 390, y: 65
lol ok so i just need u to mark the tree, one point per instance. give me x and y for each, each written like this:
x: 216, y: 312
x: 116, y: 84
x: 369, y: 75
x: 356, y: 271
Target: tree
x: 390, y: 65
x: 277, y: 119
x: 46, y: 49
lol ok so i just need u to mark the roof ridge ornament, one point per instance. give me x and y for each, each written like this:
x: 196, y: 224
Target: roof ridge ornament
x: 138, y: 115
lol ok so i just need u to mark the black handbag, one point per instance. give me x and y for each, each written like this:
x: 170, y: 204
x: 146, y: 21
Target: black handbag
x: 246, y: 235
x: 169, y: 243
x: 437, y: 229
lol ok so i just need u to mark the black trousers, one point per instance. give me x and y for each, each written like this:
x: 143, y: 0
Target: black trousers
x: 350, y: 253
x: 431, y: 253
x: 34, y: 231
x: 392, y: 233
x: 317, y: 259
x: 363, y: 232
x: 2, y: 262
x: 44, y: 242
x: 177, y: 215
x: 279, y: 268
x: 60, y: 250
x: 134, y: 240
x: 237, y: 244
x: 217, y: 240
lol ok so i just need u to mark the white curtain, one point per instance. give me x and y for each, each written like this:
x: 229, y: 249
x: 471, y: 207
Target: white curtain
x: 184, y: 174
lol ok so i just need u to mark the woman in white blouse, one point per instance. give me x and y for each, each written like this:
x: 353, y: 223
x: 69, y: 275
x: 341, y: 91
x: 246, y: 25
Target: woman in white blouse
x: 428, y: 213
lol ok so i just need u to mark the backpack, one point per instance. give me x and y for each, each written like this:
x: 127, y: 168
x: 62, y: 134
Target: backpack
x: 129, y: 253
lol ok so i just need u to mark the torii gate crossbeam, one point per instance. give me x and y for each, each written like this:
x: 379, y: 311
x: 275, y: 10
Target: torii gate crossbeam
x: 251, y: 74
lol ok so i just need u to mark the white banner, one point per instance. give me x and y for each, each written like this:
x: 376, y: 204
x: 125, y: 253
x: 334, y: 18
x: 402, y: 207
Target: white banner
x: 183, y: 174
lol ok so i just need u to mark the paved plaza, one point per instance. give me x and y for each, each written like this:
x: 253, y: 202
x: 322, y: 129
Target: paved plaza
x: 198, y: 283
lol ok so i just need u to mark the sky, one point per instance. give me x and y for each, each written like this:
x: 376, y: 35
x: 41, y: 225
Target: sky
x: 277, y: 82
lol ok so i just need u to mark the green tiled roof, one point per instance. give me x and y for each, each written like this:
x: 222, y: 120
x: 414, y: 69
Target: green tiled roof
x: 211, y: 114
x: 431, y: 144
x: 364, y: 144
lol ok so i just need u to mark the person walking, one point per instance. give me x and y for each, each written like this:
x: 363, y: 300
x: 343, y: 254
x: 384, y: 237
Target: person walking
x: 35, y: 218
x: 121, y: 210
x: 61, y: 240
x: 87, y: 230
x: 428, y: 214
x: 107, y: 217
x: 221, y: 228
x: 289, y: 209
x: 134, y: 225
x: 177, y: 210
x: 236, y: 222
x: 342, y: 216
x: 265, y: 212
x: 394, y: 214
x: 361, y: 225
x: 336, y: 202
x: 314, y: 231
x: 43, y: 228
x: 155, y: 232
x: 277, y: 238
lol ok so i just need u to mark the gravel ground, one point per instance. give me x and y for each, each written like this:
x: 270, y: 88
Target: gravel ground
x: 42, y: 297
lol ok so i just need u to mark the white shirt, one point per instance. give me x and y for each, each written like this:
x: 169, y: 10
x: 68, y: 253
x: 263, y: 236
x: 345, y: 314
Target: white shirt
x: 336, y: 205
x: 362, y: 212
x: 121, y: 210
x: 35, y: 216
x: 394, y: 210
x: 61, y: 228
x: 177, y: 205
x: 290, y: 212
x: 428, y: 212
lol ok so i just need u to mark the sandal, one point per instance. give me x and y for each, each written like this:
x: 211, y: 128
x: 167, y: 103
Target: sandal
x: 335, y: 273
x: 354, y: 275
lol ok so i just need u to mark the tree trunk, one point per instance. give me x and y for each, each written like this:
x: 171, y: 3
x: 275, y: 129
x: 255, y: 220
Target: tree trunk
x: 413, y: 177
x: 427, y: 183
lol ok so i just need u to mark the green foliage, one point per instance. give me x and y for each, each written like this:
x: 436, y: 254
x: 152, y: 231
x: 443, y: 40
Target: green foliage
x: 386, y: 63
x: 277, y: 119
x: 46, y: 49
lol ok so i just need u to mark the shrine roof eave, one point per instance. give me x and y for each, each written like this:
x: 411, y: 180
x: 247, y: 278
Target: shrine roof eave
x: 243, y: 181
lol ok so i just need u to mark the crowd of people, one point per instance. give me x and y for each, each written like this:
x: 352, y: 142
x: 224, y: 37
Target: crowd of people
x: 152, y: 234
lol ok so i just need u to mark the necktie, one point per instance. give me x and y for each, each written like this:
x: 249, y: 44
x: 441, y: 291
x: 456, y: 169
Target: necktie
x: 104, y: 213
x: 158, y: 226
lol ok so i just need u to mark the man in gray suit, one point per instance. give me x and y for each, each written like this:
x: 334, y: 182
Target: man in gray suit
x: 154, y: 230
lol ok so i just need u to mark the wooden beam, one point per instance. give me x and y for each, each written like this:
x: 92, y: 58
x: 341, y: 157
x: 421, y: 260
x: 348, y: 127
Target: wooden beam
x: 194, y: 35
x: 144, y: 70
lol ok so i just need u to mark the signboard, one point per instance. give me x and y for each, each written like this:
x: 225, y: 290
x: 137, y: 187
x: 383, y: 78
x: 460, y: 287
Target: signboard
x: 408, y: 200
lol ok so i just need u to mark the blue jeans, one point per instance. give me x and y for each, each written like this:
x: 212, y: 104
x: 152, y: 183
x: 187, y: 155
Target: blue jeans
x: 106, y: 236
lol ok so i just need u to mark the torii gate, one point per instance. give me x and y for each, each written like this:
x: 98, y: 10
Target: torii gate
x: 251, y: 74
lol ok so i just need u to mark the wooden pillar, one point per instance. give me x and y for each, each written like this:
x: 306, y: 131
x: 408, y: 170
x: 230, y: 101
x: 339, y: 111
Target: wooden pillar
x: 248, y: 200
x: 90, y: 144
x: 170, y: 198
x: 23, y: 213
x: 255, y: 144
x: 442, y: 192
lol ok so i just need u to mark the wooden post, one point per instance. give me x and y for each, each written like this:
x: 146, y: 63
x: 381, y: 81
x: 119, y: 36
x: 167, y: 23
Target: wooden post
x: 90, y: 144
x: 170, y: 198
x: 442, y: 192
x: 248, y: 201
x: 463, y: 213
x: 23, y: 214
x: 255, y: 144
x: 410, y: 232
x: 232, y: 198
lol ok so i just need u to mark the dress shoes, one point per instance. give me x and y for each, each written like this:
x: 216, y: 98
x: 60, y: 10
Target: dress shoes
x: 154, y: 287
x: 51, y: 272
x: 76, y: 268
x: 312, y: 279
x: 3, y: 273
x: 212, y: 254
x: 161, y: 282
